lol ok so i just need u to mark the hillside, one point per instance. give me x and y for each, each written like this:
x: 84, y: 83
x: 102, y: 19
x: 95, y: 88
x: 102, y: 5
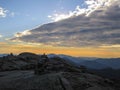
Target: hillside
x: 23, y: 61
x: 52, y: 74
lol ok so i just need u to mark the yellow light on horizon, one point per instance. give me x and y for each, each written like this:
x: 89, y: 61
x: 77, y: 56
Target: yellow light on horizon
x: 74, y: 51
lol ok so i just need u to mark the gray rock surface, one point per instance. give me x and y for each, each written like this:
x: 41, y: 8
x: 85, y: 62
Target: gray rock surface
x: 26, y: 80
x: 22, y: 61
x: 48, y: 74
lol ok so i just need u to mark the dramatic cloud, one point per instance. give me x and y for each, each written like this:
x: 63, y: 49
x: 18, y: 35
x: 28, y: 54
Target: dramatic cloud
x: 98, y: 27
x: 57, y: 17
x: 2, y: 12
x: 92, y: 5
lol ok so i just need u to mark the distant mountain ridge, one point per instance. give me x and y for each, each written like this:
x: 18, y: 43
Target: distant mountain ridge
x: 1, y: 55
x: 28, y: 60
x: 91, y: 62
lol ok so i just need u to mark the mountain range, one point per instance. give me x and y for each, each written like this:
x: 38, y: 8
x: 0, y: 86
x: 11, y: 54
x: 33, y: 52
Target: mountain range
x: 28, y: 71
x: 91, y: 62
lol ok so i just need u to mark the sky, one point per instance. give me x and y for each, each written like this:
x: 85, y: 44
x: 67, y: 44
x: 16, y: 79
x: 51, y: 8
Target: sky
x: 86, y: 28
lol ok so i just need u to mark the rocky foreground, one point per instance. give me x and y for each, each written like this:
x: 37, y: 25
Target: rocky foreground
x: 26, y: 80
x: 52, y: 74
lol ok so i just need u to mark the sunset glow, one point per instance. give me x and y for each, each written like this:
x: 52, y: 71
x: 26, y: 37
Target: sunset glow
x: 82, y: 28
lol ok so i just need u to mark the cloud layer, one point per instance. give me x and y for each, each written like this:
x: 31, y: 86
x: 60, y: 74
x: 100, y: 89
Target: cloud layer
x: 92, y: 5
x: 98, y: 27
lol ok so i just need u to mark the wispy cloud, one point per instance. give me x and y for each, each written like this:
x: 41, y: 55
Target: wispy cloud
x: 3, y: 12
x: 12, y: 14
x: 1, y: 36
x: 99, y: 27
